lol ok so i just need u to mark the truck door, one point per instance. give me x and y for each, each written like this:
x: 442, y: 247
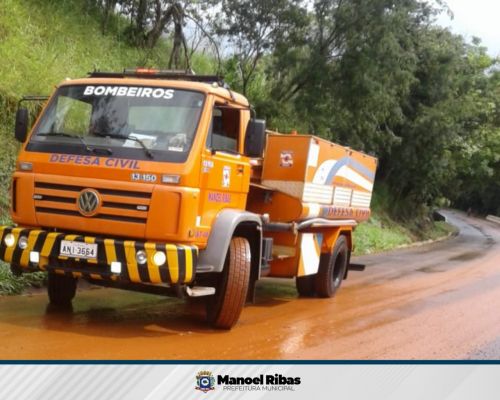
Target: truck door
x: 225, y: 172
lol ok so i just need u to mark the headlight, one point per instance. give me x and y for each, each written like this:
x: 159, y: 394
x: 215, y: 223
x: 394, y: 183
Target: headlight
x: 159, y: 258
x: 22, y: 242
x: 9, y: 240
x: 141, y: 257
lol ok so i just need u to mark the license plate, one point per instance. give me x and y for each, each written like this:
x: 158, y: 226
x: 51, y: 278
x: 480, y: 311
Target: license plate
x: 78, y: 249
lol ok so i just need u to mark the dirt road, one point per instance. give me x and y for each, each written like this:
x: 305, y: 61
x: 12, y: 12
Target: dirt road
x: 435, y: 302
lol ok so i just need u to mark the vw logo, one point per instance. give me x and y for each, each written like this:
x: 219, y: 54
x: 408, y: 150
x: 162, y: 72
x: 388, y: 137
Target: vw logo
x: 88, y: 202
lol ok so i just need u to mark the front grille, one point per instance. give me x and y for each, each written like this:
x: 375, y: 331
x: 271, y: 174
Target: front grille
x: 112, y: 192
x: 117, y: 204
x: 67, y: 200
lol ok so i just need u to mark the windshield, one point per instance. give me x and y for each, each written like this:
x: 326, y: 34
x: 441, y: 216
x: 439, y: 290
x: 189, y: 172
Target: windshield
x: 127, y: 121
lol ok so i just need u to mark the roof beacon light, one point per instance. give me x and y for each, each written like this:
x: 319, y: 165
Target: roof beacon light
x: 155, y: 71
x: 146, y: 71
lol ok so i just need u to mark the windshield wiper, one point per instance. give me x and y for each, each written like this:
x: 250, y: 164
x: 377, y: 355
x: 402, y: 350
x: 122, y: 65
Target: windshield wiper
x: 62, y: 134
x: 129, y: 137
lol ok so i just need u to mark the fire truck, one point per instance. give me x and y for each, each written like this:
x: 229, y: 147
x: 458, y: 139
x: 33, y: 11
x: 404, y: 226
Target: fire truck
x: 167, y: 183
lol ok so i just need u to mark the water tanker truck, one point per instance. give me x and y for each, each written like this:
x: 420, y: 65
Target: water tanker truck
x: 166, y: 183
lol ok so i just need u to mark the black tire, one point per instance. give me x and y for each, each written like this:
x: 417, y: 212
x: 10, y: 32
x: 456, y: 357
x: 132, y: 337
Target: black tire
x: 61, y: 289
x: 224, y: 308
x: 306, y: 285
x: 332, y: 269
x: 16, y: 270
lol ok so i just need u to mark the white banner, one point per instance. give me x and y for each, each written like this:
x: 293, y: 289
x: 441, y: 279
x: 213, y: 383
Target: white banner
x: 155, y: 382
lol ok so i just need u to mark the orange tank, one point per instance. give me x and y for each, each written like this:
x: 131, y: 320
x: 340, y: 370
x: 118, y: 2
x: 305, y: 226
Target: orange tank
x: 329, y: 180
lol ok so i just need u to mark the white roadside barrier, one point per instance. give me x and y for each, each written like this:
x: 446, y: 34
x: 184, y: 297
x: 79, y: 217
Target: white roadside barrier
x: 492, y: 218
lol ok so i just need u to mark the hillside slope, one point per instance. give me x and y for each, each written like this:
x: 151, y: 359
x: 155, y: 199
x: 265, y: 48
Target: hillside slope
x: 44, y: 41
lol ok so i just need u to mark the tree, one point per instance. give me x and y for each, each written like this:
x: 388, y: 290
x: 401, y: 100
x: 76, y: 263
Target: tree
x: 108, y: 7
x: 253, y: 28
x: 477, y: 184
x: 376, y: 75
x: 149, y: 20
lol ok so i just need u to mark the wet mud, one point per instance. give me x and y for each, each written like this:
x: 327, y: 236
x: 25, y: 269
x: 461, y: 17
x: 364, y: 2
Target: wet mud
x: 434, y: 302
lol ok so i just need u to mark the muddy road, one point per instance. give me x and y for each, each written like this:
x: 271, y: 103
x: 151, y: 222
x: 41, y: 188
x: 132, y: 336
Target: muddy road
x: 440, y: 301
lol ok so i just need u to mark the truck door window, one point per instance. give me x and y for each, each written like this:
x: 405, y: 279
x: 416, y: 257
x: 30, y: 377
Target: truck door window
x: 225, y: 129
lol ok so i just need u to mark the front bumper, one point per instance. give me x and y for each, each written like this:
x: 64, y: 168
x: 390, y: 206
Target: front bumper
x: 179, y: 267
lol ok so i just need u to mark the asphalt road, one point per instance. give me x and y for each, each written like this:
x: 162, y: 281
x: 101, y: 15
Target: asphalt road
x: 440, y: 301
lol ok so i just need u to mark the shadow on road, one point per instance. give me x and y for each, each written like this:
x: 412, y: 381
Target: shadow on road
x: 119, y: 314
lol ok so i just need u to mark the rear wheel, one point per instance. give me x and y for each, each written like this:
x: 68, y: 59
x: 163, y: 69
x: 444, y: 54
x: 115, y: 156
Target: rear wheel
x: 224, y: 308
x: 306, y: 285
x: 61, y: 289
x: 332, y: 269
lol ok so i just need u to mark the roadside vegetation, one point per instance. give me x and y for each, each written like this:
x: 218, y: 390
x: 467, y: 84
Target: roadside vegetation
x: 383, y: 232
x: 10, y: 284
x: 376, y: 75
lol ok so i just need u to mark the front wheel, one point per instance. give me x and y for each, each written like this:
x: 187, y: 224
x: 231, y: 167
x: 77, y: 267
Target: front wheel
x: 224, y: 308
x: 61, y: 289
x: 332, y: 269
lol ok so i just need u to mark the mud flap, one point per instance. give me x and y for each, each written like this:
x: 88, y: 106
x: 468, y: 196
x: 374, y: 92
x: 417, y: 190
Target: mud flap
x: 251, y: 291
x: 357, y: 267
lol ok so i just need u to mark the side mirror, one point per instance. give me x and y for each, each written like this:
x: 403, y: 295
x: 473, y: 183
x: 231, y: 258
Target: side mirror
x: 22, y: 121
x: 255, y: 139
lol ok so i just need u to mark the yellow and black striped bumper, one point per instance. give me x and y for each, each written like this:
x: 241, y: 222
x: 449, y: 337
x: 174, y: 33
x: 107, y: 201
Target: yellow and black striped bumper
x: 179, y: 267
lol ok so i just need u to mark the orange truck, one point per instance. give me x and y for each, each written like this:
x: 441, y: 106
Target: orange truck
x: 165, y: 182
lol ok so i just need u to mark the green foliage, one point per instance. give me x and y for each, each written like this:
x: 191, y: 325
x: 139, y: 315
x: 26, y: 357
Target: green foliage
x: 42, y: 42
x: 254, y: 28
x: 382, y: 232
x: 434, y: 115
x: 376, y: 75
x: 46, y: 41
x: 10, y: 284
x: 478, y: 163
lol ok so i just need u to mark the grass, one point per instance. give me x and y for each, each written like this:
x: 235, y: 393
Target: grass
x: 380, y: 234
x: 440, y: 229
x: 42, y: 42
x: 383, y: 232
x: 11, y: 284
